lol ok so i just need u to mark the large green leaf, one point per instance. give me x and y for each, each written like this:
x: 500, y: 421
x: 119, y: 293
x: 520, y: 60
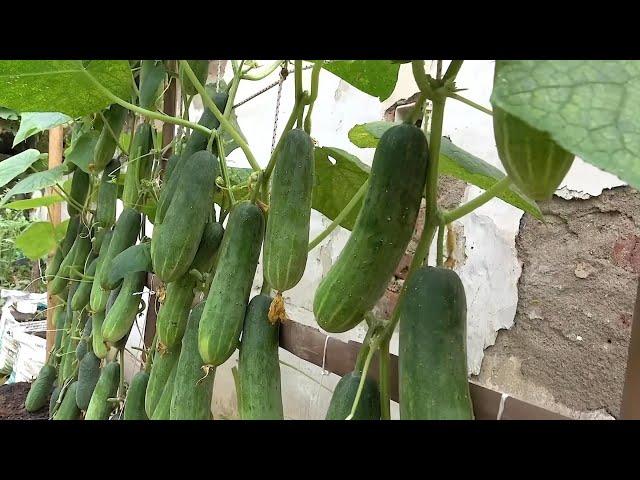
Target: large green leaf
x: 35, y: 122
x: 31, y: 203
x: 375, y: 77
x: 589, y: 107
x: 35, y: 181
x: 456, y: 162
x: 81, y: 152
x: 229, y: 143
x: 336, y: 182
x: 37, y: 240
x: 8, y: 114
x: 64, y: 86
x: 11, y: 167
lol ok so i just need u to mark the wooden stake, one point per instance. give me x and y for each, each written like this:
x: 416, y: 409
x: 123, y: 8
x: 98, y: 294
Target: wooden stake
x: 55, y: 159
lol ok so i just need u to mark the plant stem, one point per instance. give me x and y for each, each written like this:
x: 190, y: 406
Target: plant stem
x: 145, y: 113
x: 364, y: 351
x: 341, y: 216
x: 480, y: 200
x: 453, y: 69
x: 372, y: 349
x: 440, y: 245
x: 298, y: 85
x: 268, y: 71
x: 417, y: 109
x: 471, y: 103
x: 421, y: 78
x: 315, y: 80
x: 385, y: 405
x: 224, y: 123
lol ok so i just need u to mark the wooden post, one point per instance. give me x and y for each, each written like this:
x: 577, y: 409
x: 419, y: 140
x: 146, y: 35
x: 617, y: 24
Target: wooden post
x: 630, y: 408
x: 55, y: 159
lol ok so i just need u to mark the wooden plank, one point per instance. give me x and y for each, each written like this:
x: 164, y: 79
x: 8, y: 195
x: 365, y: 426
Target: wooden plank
x: 630, y: 408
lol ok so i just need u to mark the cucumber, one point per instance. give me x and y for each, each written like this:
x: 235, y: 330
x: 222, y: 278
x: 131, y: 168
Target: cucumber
x: 345, y: 394
x: 98, y: 297
x: 160, y: 372
x: 152, y: 75
x: 81, y: 350
x: 163, y: 409
x: 192, y: 391
x: 97, y: 342
x: 176, y: 240
x: 433, y: 383
x: 121, y: 316
x: 68, y: 410
x: 88, y: 375
x: 136, y: 258
x: 54, y: 265
x: 53, y: 401
x: 138, y: 166
x: 287, y: 234
x: 258, y: 366
x: 106, y: 145
x: 81, y: 297
x: 134, y: 405
x: 80, y: 183
x: 200, y: 69
x: 59, y: 318
x: 174, y: 312
x: 224, y: 310
x: 107, y: 387
x: 63, y: 249
x: 381, y: 233
x: 125, y: 234
x: 108, y: 195
x: 40, y: 388
x: 74, y: 259
x: 208, y: 248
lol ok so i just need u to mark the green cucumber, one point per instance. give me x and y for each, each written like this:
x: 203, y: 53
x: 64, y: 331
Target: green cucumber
x: 68, y: 410
x: 258, y: 366
x: 106, y: 145
x: 174, y: 312
x: 134, y: 405
x: 40, y: 388
x: 160, y: 371
x: 53, y: 401
x: 136, y: 258
x: 163, y: 409
x: 381, y: 233
x: 81, y: 297
x: 125, y: 234
x: 107, y: 387
x: 98, y: 297
x: 345, y: 394
x: 152, y: 75
x: 97, y: 342
x: 61, y: 252
x: 138, y: 166
x: 81, y: 350
x: 192, y: 390
x: 88, y: 375
x: 108, y: 195
x: 80, y: 183
x: 433, y: 375
x: 176, y: 240
x: 224, y: 310
x: 200, y: 69
x: 286, y: 238
x: 121, y: 316
x: 65, y: 272
x: 208, y: 248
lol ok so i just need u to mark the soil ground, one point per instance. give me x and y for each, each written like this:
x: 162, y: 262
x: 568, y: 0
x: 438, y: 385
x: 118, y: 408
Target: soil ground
x: 12, y: 398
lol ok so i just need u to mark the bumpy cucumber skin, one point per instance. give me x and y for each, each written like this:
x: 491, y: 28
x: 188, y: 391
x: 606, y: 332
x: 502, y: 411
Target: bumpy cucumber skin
x: 88, y: 375
x: 224, y: 310
x: 381, y: 233
x: 97, y: 342
x: 122, y: 314
x: 81, y: 350
x: 345, y: 394
x: 174, y: 312
x: 136, y: 258
x: 192, y: 393
x: 535, y: 163
x: 107, y: 387
x: 176, y: 240
x: 287, y: 234
x: 160, y: 372
x: 433, y: 381
x: 106, y: 145
x: 196, y: 142
x: 98, y: 297
x: 200, y: 69
x: 40, y: 389
x: 134, y: 406
x: 68, y: 410
x: 81, y: 297
x: 125, y: 234
x: 258, y: 366
x: 163, y: 409
x: 79, y: 188
x: 108, y: 195
x: 139, y: 165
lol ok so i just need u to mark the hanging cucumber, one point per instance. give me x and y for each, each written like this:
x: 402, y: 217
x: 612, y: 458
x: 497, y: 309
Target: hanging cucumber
x: 80, y: 183
x: 97, y: 342
x: 163, y: 409
x: 134, y: 406
x: 381, y: 233
x: 224, y: 310
x: 98, y: 297
x: 345, y: 394
x: 40, y: 388
x: 68, y: 410
x: 193, y: 387
x: 121, y: 316
x: 287, y: 233
x: 136, y: 258
x: 138, y: 166
x: 107, y: 387
x: 81, y: 297
x: 260, y: 395
x: 88, y: 375
x: 160, y: 372
x: 125, y: 234
x: 108, y: 195
x: 152, y: 75
x: 433, y: 381
x: 175, y: 241
x: 107, y: 143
